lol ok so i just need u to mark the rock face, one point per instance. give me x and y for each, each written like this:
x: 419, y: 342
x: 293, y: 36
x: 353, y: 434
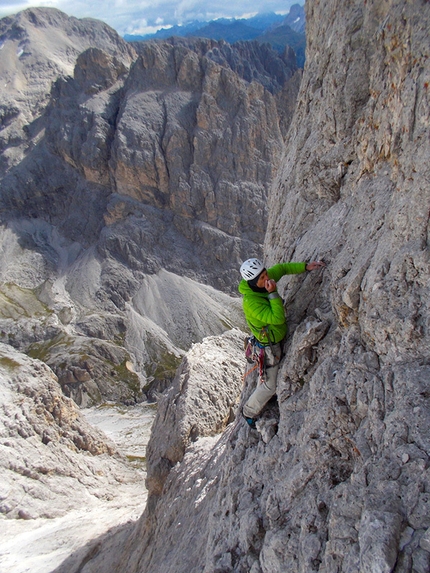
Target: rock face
x: 341, y: 483
x: 52, y: 460
x: 199, y: 403
x: 127, y: 191
x: 62, y: 481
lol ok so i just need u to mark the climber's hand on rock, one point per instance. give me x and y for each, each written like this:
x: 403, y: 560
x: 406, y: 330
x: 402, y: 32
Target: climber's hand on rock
x: 314, y: 265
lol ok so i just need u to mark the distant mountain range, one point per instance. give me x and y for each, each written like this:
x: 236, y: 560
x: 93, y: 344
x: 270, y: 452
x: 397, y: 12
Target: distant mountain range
x: 275, y: 29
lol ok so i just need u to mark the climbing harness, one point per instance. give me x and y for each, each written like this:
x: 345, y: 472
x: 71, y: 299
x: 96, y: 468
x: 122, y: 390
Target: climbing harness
x: 254, y: 352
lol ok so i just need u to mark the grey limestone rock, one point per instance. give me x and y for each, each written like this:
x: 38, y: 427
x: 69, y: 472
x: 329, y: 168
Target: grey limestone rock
x: 38, y: 46
x: 200, y: 402
x: 343, y: 485
x: 132, y: 176
x: 52, y: 460
x: 337, y: 479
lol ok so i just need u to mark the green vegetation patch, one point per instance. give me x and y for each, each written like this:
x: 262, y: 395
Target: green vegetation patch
x: 9, y: 363
x: 41, y: 350
x: 167, y: 365
x: 137, y: 462
x: 129, y: 378
x: 163, y: 365
x: 17, y: 302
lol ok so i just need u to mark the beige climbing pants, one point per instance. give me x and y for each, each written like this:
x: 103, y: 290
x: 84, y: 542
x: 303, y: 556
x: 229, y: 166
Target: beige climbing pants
x: 266, y: 388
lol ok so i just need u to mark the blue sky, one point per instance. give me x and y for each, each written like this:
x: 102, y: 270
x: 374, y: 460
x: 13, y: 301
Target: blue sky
x: 145, y: 16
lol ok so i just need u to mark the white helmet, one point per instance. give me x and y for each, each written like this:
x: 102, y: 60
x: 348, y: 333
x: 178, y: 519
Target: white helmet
x: 251, y: 268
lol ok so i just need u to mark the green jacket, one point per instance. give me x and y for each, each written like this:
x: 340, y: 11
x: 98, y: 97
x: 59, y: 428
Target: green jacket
x: 265, y: 316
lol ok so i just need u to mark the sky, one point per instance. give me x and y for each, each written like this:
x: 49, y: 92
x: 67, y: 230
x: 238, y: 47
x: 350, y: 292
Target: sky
x: 147, y: 16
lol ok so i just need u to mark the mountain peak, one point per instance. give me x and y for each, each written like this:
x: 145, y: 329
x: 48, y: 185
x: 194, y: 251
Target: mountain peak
x: 287, y: 30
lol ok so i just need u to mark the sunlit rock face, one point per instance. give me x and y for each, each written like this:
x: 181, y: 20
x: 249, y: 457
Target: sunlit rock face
x: 52, y: 460
x: 336, y: 477
x: 134, y: 181
x: 63, y: 482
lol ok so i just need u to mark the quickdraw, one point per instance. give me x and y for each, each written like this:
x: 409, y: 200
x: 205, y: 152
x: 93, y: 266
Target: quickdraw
x: 254, y: 352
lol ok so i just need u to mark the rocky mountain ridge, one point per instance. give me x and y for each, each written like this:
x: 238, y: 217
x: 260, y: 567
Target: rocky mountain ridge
x: 232, y: 29
x: 336, y: 477
x: 38, y: 46
x: 129, y: 193
x: 281, y: 32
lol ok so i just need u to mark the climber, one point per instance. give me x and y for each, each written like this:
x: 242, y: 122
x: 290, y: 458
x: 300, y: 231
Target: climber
x: 264, y: 313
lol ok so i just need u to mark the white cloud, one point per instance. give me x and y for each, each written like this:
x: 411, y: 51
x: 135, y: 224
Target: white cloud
x: 124, y: 15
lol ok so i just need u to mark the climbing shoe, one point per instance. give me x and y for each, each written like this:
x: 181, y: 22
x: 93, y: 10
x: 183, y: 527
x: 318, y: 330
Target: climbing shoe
x: 250, y: 421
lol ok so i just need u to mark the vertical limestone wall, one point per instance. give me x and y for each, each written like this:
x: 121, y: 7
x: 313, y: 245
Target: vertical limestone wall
x: 341, y: 482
